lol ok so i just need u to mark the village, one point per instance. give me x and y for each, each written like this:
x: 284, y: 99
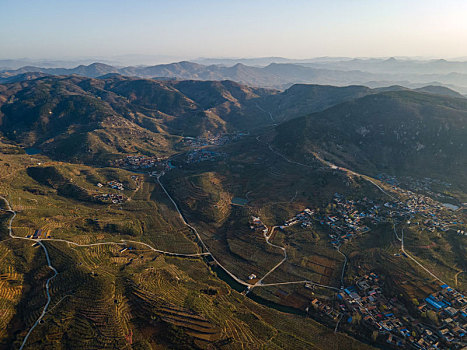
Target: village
x: 202, y: 155
x: 442, y: 317
x: 438, y: 320
x: 138, y: 162
x: 428, y: 186
x: 112, y: 197
x: 346, y: 220
x: 351, y: 217
x: 155, y: 165
x: 214, y: 140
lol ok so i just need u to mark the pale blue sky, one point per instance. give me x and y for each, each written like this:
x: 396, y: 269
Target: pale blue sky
x: 235, y: 28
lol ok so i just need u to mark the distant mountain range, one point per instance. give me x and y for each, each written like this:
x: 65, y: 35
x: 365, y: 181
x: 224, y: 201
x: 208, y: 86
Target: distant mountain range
x: 370, y: 72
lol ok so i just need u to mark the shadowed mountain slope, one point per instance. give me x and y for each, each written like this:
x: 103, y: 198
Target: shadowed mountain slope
x: 398, y: 132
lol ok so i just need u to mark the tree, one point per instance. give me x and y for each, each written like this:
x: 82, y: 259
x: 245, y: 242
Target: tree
x: 433, y: 316
x: 374, y: 335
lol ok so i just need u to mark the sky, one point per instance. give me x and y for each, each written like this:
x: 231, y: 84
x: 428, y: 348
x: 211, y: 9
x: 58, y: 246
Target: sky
x: 64, y: 29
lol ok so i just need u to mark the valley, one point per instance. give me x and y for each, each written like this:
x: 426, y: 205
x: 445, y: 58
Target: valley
x: 233, y: 175
x: 142, y: 190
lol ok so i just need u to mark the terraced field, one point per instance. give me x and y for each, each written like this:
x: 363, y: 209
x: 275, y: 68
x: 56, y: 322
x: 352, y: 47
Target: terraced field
x: 126, y: 295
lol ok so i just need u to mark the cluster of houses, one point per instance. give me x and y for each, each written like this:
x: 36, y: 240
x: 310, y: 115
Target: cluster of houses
x: 424, y: 185
x: 110, y: 197
x: 346, y: 221
x: 365, y: 302
x: 323, y: 308
x: 214, y: 140
x: 202, y: 155
x: 257, y: 225
x: 349, y: 217
x: 138, y: 162
x: 388, y: 316
x: 115, y: 185
x: 304, y: 218
x: 451, y: 310
x: 435, y: 215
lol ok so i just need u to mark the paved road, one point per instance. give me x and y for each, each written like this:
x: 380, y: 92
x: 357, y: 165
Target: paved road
x: 267, y: 237
x: 367, y: 178
x: 49, y: 264
x: 195, y: 231
x: 343, y: 267
x: 123, y: 242
x: 299, y: 282
x: 401, y: 239
x: 235, y: 278
x: 415, y: 260
x: 49, y: 298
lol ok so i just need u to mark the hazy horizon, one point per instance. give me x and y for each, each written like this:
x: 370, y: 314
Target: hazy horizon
x: 180, y: 30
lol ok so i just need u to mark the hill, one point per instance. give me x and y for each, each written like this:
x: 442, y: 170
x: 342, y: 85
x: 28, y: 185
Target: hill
x: 376, y: 130
x: 140, y: 261
x: 301, y: 99
x: 84, y: 119
x: 398, y: 132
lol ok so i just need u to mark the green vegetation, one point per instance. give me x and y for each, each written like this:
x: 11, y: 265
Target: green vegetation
x: 104, y: 297
x: 133, y: 274
x: 398, y: 132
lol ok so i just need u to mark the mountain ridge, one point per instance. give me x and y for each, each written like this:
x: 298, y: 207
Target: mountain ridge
x: 273, y: 75
x: 396, y: 132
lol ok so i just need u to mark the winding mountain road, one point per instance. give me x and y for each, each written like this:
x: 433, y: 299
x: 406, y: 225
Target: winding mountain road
x: 343, y: 267
x: 269, y: 113
x: 195, y: 231
x: 267, y: 237
x: 333, y: 166
x: 49, y: 298
x: 49, y: 264
x: 416, y: 261
x: 232, y: 275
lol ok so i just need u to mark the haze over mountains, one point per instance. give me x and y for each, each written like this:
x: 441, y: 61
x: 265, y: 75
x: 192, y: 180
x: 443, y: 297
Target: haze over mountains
x: 225, y: 175
x: 74, y: 135
x: 281, y: 73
